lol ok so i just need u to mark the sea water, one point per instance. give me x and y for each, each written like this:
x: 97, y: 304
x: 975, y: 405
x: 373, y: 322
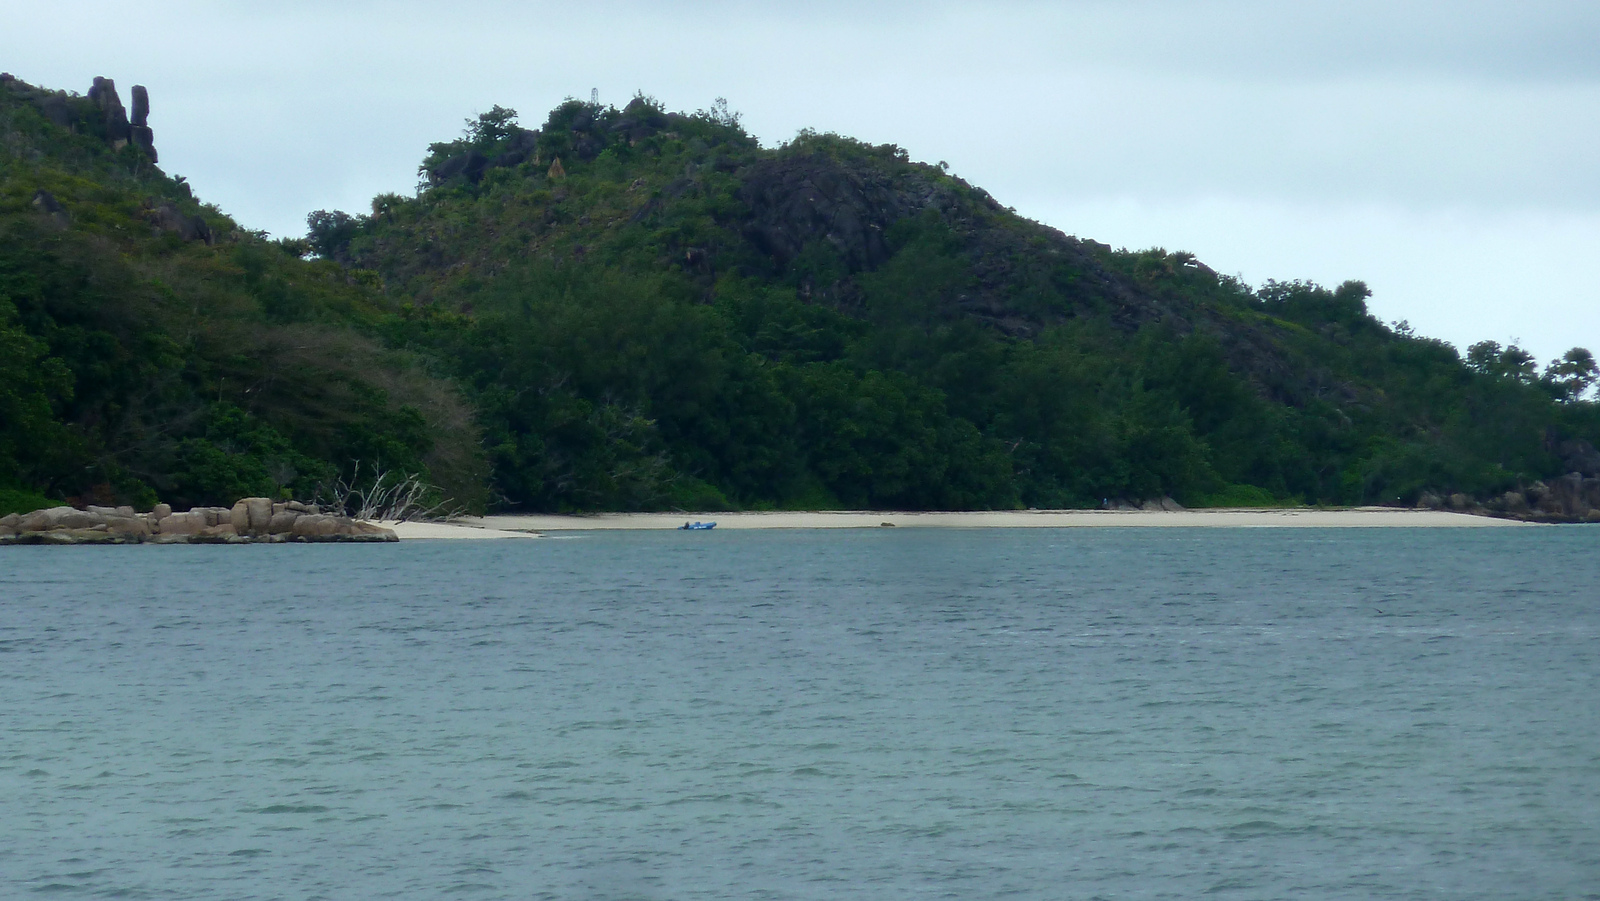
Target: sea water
x: 1036, y: 714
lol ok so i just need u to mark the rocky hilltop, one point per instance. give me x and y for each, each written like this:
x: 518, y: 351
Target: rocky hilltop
x: 99, y: 113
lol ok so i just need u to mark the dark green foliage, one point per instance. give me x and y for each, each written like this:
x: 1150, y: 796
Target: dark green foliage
x: 881, y: 440
x: 1571, y: 377
x: 236, y: 455
x: 675, y: 317
x: 17, y: 501
x: 329, y: 234
x: 137, y: 364
x: 828, y: 323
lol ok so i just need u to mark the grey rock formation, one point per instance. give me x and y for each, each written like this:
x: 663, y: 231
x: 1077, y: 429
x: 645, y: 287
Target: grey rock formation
x: 141, y: 105
x: 805, y: 198
x: 191, y: 523
x: 99, y: 113
x: 46, y: 203
x: 639, y: 121
x: 139, y: 130
x: 1574, y: 497
x: 260, y: 510
x: 469, y: 165
x: 57, y: 109
x: 239, y: 517
x: 521, y: 148
x: 255, y: 519
x: 117, y: 128
x: 167, y: 217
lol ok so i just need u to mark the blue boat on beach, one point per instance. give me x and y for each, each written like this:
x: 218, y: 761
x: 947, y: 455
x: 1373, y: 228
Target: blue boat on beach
x: 696, y: 526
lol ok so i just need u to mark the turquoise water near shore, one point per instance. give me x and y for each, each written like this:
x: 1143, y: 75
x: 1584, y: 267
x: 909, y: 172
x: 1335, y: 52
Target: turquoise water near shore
x: 892, y: 714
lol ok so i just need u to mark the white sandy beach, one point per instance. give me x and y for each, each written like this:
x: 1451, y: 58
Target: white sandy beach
x: 522, y: 526
x: 409, y: 531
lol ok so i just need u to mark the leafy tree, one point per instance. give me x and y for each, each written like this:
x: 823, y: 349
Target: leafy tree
x: 1489, y: 358
x: 330, y: 234
x: 1570, y: 377
x: 490, y: 128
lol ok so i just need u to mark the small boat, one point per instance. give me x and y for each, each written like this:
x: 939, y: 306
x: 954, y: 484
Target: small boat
x: 696, y: 526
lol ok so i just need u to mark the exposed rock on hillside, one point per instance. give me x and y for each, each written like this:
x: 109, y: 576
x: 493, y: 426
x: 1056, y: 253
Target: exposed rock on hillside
x: 143, y: 137
x: 795, y: 200
x: 101, y: 113
x: 168, y: 218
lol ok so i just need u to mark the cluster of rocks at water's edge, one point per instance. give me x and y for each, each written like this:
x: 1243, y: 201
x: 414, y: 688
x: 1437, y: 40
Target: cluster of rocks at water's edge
x: 1574, y: 497
x: 253, y: 520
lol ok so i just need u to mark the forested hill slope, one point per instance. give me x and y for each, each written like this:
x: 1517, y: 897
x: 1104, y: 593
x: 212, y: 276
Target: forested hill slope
x: 650, y: 309
x: 636, y: 309
x: 151, y: 347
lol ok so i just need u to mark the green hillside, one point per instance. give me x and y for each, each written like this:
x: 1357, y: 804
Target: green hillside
x: 151, y: 347
x: 635, y: 309
x: 651, y: 309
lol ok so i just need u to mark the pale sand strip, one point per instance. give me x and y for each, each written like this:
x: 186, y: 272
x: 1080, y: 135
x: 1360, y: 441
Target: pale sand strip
x: 414, y: 530
x: 1364, y: 517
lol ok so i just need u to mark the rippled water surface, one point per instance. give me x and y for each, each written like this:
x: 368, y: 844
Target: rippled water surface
x: 864, y: 714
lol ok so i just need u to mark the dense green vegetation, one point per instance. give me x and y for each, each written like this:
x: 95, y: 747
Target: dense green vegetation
x: 148, y: 346
x: 636, y: 309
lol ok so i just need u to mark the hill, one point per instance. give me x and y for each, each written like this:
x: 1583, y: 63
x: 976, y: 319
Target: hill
x: 631, y: 309
x: 150, y: 346
x: 651, y: 309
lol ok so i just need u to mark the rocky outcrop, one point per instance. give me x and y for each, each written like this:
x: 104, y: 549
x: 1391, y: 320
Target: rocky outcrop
x: 100, y: 113
x: 139, y: 129
x: 168, y: 218
x: 1574, y: 497
x: 46, y: 203
x: 103, y: 94
x: 251, y: 520
x: 523, y: 146
x: 469, y: 165
x: 1570, y: 498
x: 849, y: 203
x: 799, y: 199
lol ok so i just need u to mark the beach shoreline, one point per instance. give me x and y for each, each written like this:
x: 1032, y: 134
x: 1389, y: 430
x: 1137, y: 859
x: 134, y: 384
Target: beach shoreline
x: 525, y: 525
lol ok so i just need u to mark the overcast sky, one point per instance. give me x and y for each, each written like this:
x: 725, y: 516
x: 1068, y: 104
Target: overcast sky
x: 1444, y: 152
